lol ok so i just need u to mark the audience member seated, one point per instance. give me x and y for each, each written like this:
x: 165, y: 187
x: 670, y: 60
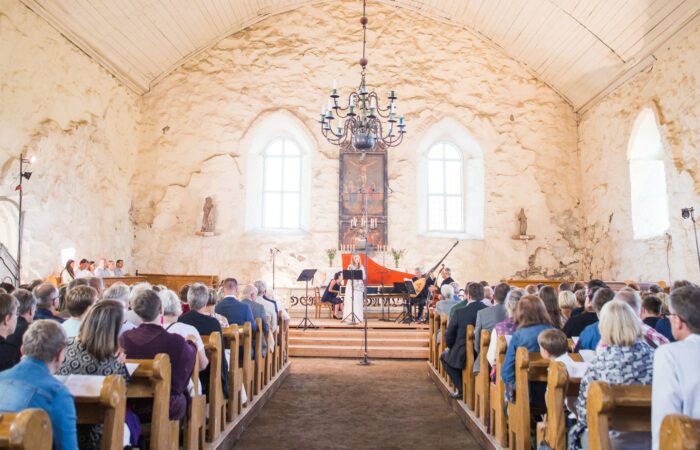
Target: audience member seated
x: 95, y: 351
x: 651, y: 310
x: 211, y: 305
x: 250, y: 295
x: 575, y: 325
x: 269, y: 305
x: 31, y: 384
x: 590, y: 336
x: 78, y: 302
x: 554, y: 347
x: 67, y: 274
x: 474, y: 295
x: 119, y: 269
x: 447, y: 300
x: 98, y: 285
x: 268, y: 296
x: 455, y: 357
x: 565, y: 287
x: 9, y: 353
x: 532, y: 319
x: 197, y: 298
x: 487, y: 318
x: 131, y: 316
x: 183, y: 297
x: 172, y: 310
x: 230, y: 307
x: 488, y: 296
x: 331, y: 295
x: 580, y: 303
x: 632, y: 298
x: 101, y: 269
x: 676, y: 386
x: 551, y: 303
x: 119, y: 292
x: 25, y: 316
x: 505, y: 327
x: 46, y: 296
x: 83, y: 269
x: 567, y: 303
x: 623, y: 358
x: 150, y: 339
x: 532, y: 289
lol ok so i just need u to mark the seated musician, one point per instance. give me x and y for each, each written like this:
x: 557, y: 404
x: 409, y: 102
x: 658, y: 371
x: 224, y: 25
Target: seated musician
x: 31, y: 384
x: 623, y: 358
x: 150, y: 339
x: 421, y: 296
x: 331, y: 295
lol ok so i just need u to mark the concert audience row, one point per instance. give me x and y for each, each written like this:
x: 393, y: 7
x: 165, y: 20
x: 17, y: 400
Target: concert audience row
x: 81, y: 328
x: 627, y: 335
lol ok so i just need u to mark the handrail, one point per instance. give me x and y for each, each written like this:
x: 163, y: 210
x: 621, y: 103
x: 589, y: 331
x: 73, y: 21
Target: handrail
x: 6, y: 257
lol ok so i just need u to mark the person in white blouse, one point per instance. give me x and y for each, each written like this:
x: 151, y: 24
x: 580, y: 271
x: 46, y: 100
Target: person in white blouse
x: 83, y: 271
x: 68, y: 274
x: 676, y: 384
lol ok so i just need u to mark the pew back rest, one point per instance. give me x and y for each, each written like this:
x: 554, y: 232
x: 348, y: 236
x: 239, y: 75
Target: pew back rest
x: 559, y: 387
x: 680, y: 432
x: 152, y: 379
x: 26, y: 430
x: 616, y: 407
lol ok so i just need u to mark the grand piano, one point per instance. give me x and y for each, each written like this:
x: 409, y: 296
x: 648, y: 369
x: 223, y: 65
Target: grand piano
x: 381, y: 282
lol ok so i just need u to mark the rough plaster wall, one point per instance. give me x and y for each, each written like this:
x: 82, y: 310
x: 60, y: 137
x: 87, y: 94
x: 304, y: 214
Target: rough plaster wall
x: 81, y: 124
x: 672, y: 89
x: 195, y: 122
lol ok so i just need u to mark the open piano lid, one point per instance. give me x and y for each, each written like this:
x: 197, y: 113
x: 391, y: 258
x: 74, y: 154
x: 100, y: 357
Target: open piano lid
x: 376, y: 273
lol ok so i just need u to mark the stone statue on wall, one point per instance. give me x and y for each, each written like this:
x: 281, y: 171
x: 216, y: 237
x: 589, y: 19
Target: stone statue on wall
x: 208, y: 216
x: 522, y: 220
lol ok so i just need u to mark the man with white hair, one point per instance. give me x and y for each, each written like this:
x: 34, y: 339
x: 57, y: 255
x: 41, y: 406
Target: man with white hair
x: 632, y: 298
x: 273, y: 306
x: 120, y: 293
x: 250, y: 295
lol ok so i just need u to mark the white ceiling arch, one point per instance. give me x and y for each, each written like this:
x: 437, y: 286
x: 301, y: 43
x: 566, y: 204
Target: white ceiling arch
x: 581, y: 48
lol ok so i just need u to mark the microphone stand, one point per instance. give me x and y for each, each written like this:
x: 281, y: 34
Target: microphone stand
x: 274, y: 252
x: 365, y: 361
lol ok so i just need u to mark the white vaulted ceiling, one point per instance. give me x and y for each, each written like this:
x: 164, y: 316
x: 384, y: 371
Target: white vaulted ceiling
x: 581, y: 48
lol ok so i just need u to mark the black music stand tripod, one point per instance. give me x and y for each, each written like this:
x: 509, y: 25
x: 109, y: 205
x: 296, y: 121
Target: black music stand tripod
x: 407, y: 315
x: 352, y: 275
x: 306, y: 275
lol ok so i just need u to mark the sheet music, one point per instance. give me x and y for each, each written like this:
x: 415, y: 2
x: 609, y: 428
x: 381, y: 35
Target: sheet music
x: 587, y: 355
x: 82, y: 385
x: 131, y: 368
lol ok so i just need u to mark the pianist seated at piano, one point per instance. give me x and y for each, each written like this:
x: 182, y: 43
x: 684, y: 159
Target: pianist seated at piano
x: 31, y: 384
x: 331, y: 295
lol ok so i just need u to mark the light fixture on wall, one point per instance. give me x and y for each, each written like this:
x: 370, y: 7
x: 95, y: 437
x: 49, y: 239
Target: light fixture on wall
x: 688, y: 213
x: 362, y: 126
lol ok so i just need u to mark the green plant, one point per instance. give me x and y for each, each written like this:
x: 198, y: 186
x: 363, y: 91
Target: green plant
x: 397, y: 254
x: 330, y: 253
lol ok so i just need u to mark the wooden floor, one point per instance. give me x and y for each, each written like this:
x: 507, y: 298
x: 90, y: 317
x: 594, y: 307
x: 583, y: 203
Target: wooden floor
x: 333, y: 339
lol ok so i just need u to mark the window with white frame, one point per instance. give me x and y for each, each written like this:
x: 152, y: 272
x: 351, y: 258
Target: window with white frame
x: 281, y: 187
x: 445, y: 188
x: 649, y: 198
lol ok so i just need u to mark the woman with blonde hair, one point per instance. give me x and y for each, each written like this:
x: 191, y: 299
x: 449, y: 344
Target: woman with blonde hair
x: 622, y: 358
x: 567, y: 303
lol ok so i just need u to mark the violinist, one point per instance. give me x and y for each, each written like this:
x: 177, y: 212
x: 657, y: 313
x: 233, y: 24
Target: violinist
x: 422, y: 296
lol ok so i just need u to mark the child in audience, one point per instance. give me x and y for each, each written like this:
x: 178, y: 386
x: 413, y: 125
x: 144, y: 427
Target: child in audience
x: 554, y: 347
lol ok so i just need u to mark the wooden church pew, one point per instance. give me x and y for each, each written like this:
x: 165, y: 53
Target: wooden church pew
x: 680, y: 432
x: 468, y: 371
x: 176, y: 282
x: 151, y: 380
x: 102, y: 402
x: 529, y: 367
x: 217, y: 404
x: 270, y: 357
x: 259, y: 371
x: 497, y: 392
x: 279, y: 355
x: 616, y: 407
x: 29, y: 429
x: 483, y: 381
x: 443, y: 345
x: 195, y: 422
x: 234, y: 337
x: 559, y: 387
x: 431, y: 334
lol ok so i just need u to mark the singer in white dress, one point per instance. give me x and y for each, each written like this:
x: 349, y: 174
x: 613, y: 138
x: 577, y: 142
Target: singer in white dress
x: 354, y: 293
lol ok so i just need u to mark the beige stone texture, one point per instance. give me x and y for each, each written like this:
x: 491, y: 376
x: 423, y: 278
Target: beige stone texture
x: 672, y: 89
x: 81, y: 124
x: 196, y: 124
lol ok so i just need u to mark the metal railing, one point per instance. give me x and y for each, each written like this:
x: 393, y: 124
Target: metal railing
x: 9, y: 270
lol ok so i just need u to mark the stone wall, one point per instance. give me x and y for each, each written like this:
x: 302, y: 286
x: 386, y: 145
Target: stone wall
x: 196, y: 130
x: 81, y: 124
x: 672, y: 89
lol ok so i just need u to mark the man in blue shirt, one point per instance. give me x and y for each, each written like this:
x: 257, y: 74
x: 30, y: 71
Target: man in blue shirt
x: 31, y: 384
x: 590, y: 336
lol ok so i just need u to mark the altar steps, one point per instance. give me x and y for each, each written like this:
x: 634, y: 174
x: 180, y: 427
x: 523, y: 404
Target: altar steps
x: 404, y: 343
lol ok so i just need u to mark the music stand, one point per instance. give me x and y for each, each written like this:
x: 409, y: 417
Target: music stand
x: 406, y: 315
x: 352, y: 275
x: 306, y: 275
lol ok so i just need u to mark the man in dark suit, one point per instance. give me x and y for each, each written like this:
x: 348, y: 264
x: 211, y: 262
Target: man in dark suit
x: 455, y: 357
x: 231, y: 308
x: 487, y: 318
x: 26, y: 310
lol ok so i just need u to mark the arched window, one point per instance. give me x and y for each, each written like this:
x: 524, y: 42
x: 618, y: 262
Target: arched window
x: 278, y: 150
x: 450, y: 183
x: 647, y: 178
x: 281, y: 193
x: 445, y: 189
